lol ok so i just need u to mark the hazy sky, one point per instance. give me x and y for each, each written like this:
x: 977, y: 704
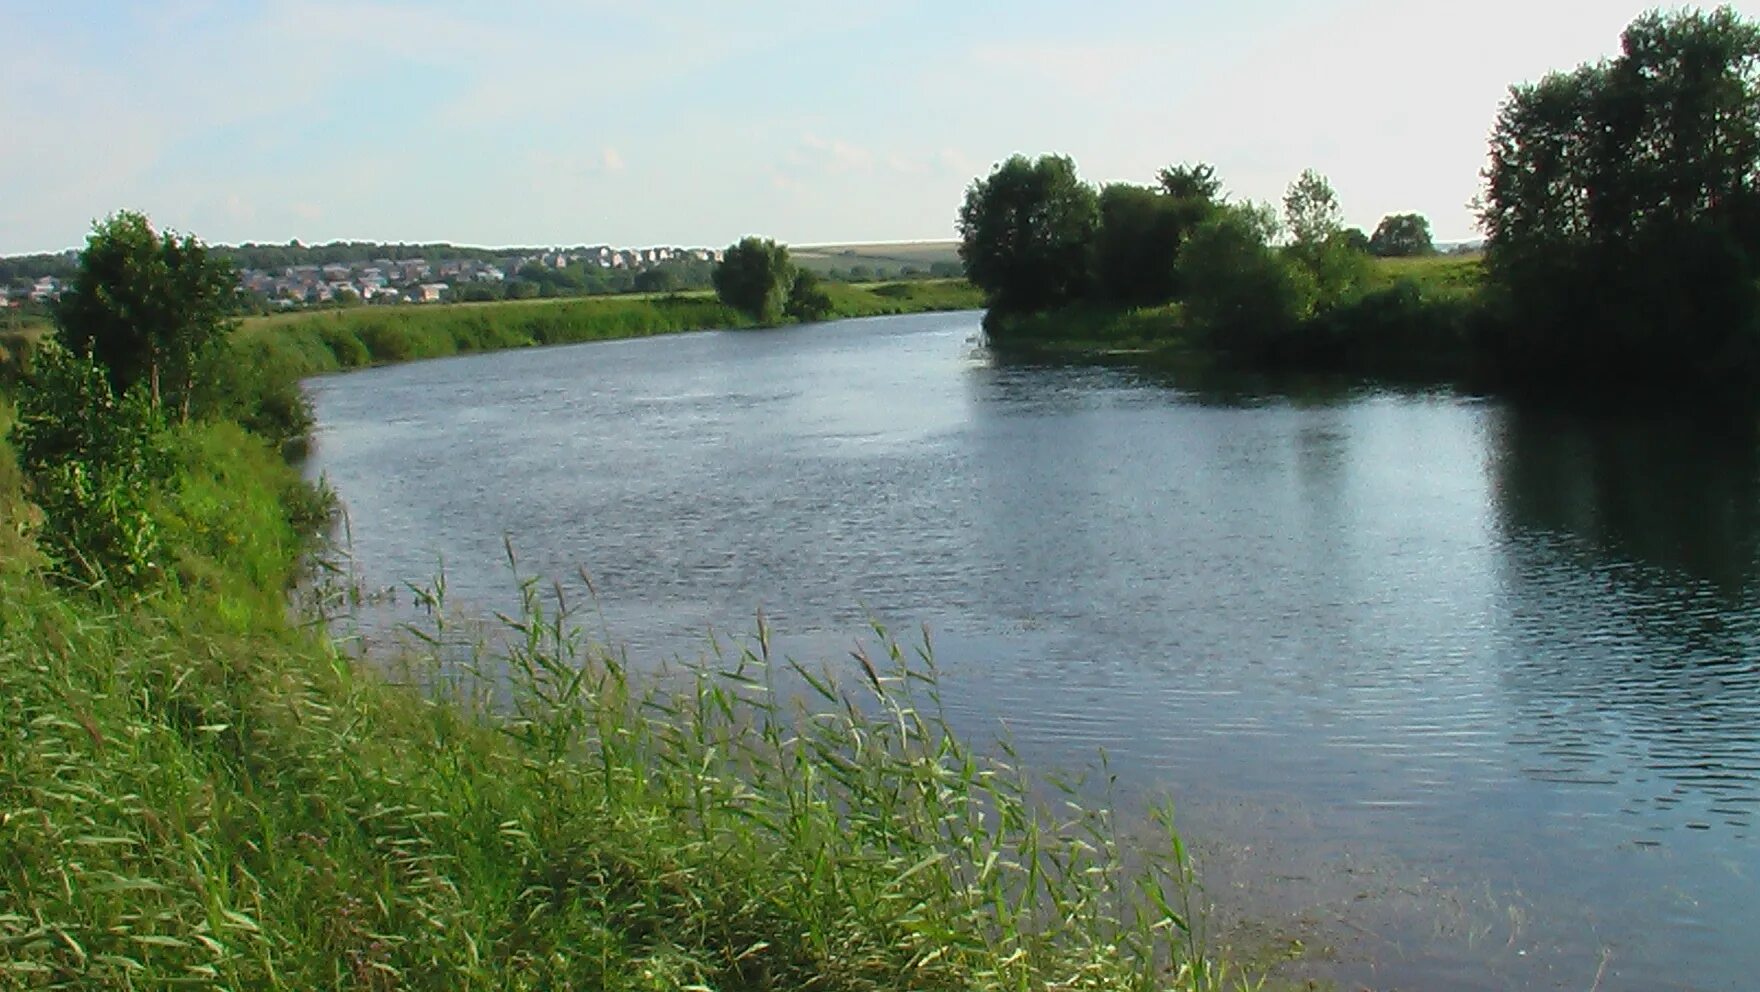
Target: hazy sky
x: 695, y: 122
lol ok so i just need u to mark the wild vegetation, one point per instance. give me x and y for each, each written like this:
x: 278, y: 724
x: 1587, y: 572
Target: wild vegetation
x: 1622, y: 219
x: 198, y: 788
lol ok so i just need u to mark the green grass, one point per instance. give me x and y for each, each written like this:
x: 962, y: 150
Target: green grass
x: 326, y: 341
x: 913, y: 296
x: 1093, y: 329
x: 198, y: 790
x: 309, y: 343
x: 879, y: 255
x: 1454, y: 275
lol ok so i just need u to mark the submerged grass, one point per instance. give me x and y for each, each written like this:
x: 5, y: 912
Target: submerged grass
x: 195, y: 791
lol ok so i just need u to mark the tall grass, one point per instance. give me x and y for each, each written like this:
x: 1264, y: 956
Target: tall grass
x: 912, y: 296
x: 185, y: 802
x: 311, y: 343
x: 197, y: 791
x: 340, y: 339
x: 16, y: 513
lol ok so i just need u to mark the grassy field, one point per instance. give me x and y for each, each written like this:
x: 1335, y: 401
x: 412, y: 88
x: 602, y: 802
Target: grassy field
x: 891, y: 257
x: 1444, y: 274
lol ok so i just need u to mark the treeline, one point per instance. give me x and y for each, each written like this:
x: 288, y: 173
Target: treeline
x: 19, y: 271
x: 589, y: 278
x: 1287, y: 286
x: 252, y: 255
x: 1621, y: 207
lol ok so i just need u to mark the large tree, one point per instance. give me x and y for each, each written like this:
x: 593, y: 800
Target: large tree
x: 149, y: 307
x: 1137, y: 245
x: 1402, y: 236
x: 755, y: 277
x: 1622, y: 209
x: 1026, y: 231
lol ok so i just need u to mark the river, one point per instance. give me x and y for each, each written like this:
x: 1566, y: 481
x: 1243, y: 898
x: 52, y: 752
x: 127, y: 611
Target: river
x: 1459, y: 695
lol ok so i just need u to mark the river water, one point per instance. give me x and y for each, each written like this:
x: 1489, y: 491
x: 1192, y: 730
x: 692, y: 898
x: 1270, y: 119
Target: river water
x: 1459, y: 695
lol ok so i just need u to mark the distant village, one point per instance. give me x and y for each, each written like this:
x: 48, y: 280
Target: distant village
x: 409, y: 280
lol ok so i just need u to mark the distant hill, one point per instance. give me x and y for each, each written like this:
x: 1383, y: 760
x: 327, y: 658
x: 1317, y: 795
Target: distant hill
x: 881, y: 260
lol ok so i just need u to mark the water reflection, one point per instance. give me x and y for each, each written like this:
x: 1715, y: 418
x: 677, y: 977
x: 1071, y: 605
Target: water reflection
x: 1631, y: 611
x: 1509, y: 653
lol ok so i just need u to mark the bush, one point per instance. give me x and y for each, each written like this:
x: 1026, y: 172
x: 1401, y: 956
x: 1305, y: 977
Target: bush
x: 807, y: 299
x: 346, y: 345
x: 1242, y: 293
x: 93, y: 460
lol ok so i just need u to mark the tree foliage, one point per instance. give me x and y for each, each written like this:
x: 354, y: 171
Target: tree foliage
x: 755, y: 277
x: 94, y: 458
x: 1141, y: 232
x: 1318, y: 241
x: 1401, y: 236
x: 1241, y: 291
x: 807, y: 299
x: 148, y: 307
x: 1311, y: 214
x: 1622, y: 209
x: 658, y: 280
x: 1191, y: 182
x: 1026, y: 232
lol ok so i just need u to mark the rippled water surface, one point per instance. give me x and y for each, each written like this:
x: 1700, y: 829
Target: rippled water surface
x: 1459, y: 695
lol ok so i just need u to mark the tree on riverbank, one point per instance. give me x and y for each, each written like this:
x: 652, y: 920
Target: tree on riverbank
x: 149, y: 307
x: 1026, y: 231
x: 1143, y: 229
x: 755, y: 277
x: 1622, y: 210
x: 1318, y: 242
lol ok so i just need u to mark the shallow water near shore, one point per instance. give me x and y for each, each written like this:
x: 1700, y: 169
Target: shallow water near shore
x: 1457, y: 694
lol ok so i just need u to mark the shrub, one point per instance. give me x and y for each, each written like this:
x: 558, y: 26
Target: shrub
x: 93, y: 460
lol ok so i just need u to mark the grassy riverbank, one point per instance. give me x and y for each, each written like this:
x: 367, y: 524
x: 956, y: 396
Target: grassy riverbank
x: 1411, y: 317
x: 282, y: 349
x: 197, y: 790
x: 326, y: 341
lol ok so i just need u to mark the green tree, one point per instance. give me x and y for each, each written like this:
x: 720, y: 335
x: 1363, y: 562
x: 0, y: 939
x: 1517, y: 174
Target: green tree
x: 1191, y: 182
x: 1622, y: 210
x: 1401, y: 236
x: 657, y: 280
x: 1318, y: 240
x: 1026, y: 232
x: 1241, y: 292
x: 1142, y: 230
x: 1310, y: 211
x: 148, y: 307
x: 755, y: 277
x: 807, y: 299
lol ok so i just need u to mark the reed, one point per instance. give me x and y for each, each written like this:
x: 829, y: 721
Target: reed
x: 197, y: 790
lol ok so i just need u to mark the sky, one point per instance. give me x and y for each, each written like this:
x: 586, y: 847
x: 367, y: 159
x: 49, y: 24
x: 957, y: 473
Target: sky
x: 696, y: 122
